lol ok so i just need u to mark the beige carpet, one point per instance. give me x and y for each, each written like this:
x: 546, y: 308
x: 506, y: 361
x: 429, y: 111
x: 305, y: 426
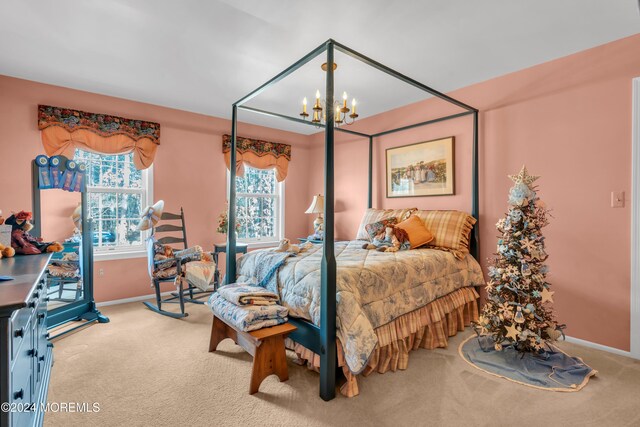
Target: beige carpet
x: 145, y: 369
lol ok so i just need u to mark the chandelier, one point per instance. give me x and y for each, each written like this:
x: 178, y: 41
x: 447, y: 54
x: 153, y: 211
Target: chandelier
x: 341, y: 115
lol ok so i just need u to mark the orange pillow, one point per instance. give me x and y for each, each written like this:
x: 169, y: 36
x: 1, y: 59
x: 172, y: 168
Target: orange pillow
x: 418, y: 234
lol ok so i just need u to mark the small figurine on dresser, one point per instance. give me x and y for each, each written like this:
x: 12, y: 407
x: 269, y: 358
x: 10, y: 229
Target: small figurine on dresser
x: 23, y: 242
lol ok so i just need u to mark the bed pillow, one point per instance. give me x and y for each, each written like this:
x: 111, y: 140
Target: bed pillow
x: 378, y: 227
x: 419, y: 234
x: 374, y: 215
x: 451, y: 230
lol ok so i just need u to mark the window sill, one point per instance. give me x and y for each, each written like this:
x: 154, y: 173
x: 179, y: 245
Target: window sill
x: 261, y: 245
x: 115, y: 255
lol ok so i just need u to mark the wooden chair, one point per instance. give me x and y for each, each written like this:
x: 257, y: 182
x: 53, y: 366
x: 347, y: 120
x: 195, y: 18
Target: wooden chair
x: 190, y: 293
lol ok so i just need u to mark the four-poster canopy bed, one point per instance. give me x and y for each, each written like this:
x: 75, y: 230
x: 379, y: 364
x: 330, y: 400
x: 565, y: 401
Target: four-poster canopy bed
x: 322, y: 339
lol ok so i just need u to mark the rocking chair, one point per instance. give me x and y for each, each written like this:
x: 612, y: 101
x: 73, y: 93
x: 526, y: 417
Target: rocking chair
x: 190, y: 293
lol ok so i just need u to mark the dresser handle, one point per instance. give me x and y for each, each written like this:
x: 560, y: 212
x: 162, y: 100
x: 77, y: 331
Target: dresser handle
x: 18, y: 394
x: 41, y: 358
x: 32, y: 304
x: 18, y: 332
x: 33, y: 352
x: 41, y: 316
x: 36, y: 294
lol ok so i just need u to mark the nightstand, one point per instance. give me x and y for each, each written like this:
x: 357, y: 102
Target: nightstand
x: 219, y: 248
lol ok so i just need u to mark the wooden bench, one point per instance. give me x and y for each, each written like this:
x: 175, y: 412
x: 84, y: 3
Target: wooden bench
x: 266, y: 345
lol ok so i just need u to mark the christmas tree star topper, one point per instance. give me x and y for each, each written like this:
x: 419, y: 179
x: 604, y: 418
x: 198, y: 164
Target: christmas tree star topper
x: 523, y: 177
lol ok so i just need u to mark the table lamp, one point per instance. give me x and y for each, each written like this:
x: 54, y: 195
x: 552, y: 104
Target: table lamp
x: 317, y: 207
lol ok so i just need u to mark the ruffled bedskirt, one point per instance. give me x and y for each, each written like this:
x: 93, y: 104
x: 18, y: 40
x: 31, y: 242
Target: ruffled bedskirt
x: 427, y: 327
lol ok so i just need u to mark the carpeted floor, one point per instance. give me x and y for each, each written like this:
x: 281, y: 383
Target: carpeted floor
x: 146, y: 369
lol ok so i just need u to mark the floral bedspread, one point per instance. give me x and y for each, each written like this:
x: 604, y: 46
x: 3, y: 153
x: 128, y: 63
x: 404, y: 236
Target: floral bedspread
x: 373, y: 288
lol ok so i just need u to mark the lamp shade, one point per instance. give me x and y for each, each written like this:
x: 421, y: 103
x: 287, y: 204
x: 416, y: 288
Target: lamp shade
x: 317, y: 205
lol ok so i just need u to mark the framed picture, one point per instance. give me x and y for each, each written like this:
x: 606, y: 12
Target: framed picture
x: 421, y: 169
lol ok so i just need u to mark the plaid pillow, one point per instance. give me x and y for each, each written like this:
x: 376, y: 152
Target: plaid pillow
x: 451, y: 230
x: 378, y: 227
x: 374, y: 215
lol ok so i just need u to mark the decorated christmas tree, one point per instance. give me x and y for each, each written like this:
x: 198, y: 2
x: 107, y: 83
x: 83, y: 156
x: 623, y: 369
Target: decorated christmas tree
x: 517, y: 311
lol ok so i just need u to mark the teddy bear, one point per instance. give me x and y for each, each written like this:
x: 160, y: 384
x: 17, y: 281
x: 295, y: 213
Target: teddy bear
x: 393, y: 239
x: 286, y: 246
x: 23, y: 242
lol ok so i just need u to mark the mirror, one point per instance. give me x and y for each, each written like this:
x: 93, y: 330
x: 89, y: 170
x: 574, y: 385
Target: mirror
x: 58, y: 216
x: 64, y: 275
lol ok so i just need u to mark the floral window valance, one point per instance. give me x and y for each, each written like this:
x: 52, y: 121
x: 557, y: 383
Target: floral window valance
x: 258, y: 154
x: 64, y: 130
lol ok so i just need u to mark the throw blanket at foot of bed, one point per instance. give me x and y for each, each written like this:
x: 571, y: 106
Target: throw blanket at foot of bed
x: 247, y: 317
x: 243, y: 294
x: 428, y: 327
x: 373, y: 288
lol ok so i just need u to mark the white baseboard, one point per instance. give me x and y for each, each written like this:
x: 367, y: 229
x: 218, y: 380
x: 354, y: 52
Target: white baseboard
x: 597, y: 346
x: 132, y: 299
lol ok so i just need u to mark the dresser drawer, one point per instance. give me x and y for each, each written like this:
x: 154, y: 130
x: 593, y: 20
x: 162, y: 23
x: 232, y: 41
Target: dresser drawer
x: 21, y: 392
x: 19, y: 328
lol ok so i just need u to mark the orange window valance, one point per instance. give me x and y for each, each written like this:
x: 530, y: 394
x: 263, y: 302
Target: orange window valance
x: 64, y: 130
x: 258, y: 154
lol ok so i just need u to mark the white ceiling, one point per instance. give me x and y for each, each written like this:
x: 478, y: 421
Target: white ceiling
x: 201, y: 56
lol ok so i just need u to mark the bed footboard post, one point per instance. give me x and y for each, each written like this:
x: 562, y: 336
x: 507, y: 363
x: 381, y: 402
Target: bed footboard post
x: 328, y: 267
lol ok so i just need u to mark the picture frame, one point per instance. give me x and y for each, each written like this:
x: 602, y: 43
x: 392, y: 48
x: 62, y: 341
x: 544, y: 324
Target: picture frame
x: 421, y: 169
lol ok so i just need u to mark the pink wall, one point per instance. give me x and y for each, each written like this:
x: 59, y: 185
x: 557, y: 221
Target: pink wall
x: 189, y: 171
x: 568, y: 120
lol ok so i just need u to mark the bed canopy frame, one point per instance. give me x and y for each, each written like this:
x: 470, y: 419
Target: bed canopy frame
x: 322, y: 339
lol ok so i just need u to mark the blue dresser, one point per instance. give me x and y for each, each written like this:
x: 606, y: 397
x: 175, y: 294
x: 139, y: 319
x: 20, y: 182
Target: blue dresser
x: 25, y: 351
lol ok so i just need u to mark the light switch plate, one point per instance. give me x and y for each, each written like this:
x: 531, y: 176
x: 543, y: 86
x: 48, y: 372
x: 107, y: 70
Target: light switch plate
x: 617, y: 199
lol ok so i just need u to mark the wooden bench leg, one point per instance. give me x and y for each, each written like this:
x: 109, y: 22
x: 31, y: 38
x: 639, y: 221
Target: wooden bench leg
x: 270, y: 358
x: 220, y: 331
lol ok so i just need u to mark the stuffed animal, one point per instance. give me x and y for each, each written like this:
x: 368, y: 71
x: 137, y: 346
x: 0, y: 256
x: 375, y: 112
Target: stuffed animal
x: 286, y: 246
x: 393, y: 239
x: 23, y: 242
x: 1, y: 218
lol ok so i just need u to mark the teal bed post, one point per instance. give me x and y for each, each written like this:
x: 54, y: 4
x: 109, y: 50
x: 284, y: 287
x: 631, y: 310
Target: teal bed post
x: 475, y: 195
x: 231, y: 223
x: 328, y: 268
x: 370, y: 177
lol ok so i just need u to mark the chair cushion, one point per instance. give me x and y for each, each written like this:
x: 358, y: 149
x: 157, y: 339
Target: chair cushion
x: 167, y: 273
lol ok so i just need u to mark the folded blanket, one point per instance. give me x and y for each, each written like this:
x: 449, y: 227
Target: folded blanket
x: 243, y: 294
x: 199, y: 273
x: 247, y: 317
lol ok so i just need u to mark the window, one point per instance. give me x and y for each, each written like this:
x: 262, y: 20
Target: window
x: 117, y: 192
x: 259, y: 206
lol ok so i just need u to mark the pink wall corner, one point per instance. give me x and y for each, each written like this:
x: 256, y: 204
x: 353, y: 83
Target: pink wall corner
x: 189, y: 171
